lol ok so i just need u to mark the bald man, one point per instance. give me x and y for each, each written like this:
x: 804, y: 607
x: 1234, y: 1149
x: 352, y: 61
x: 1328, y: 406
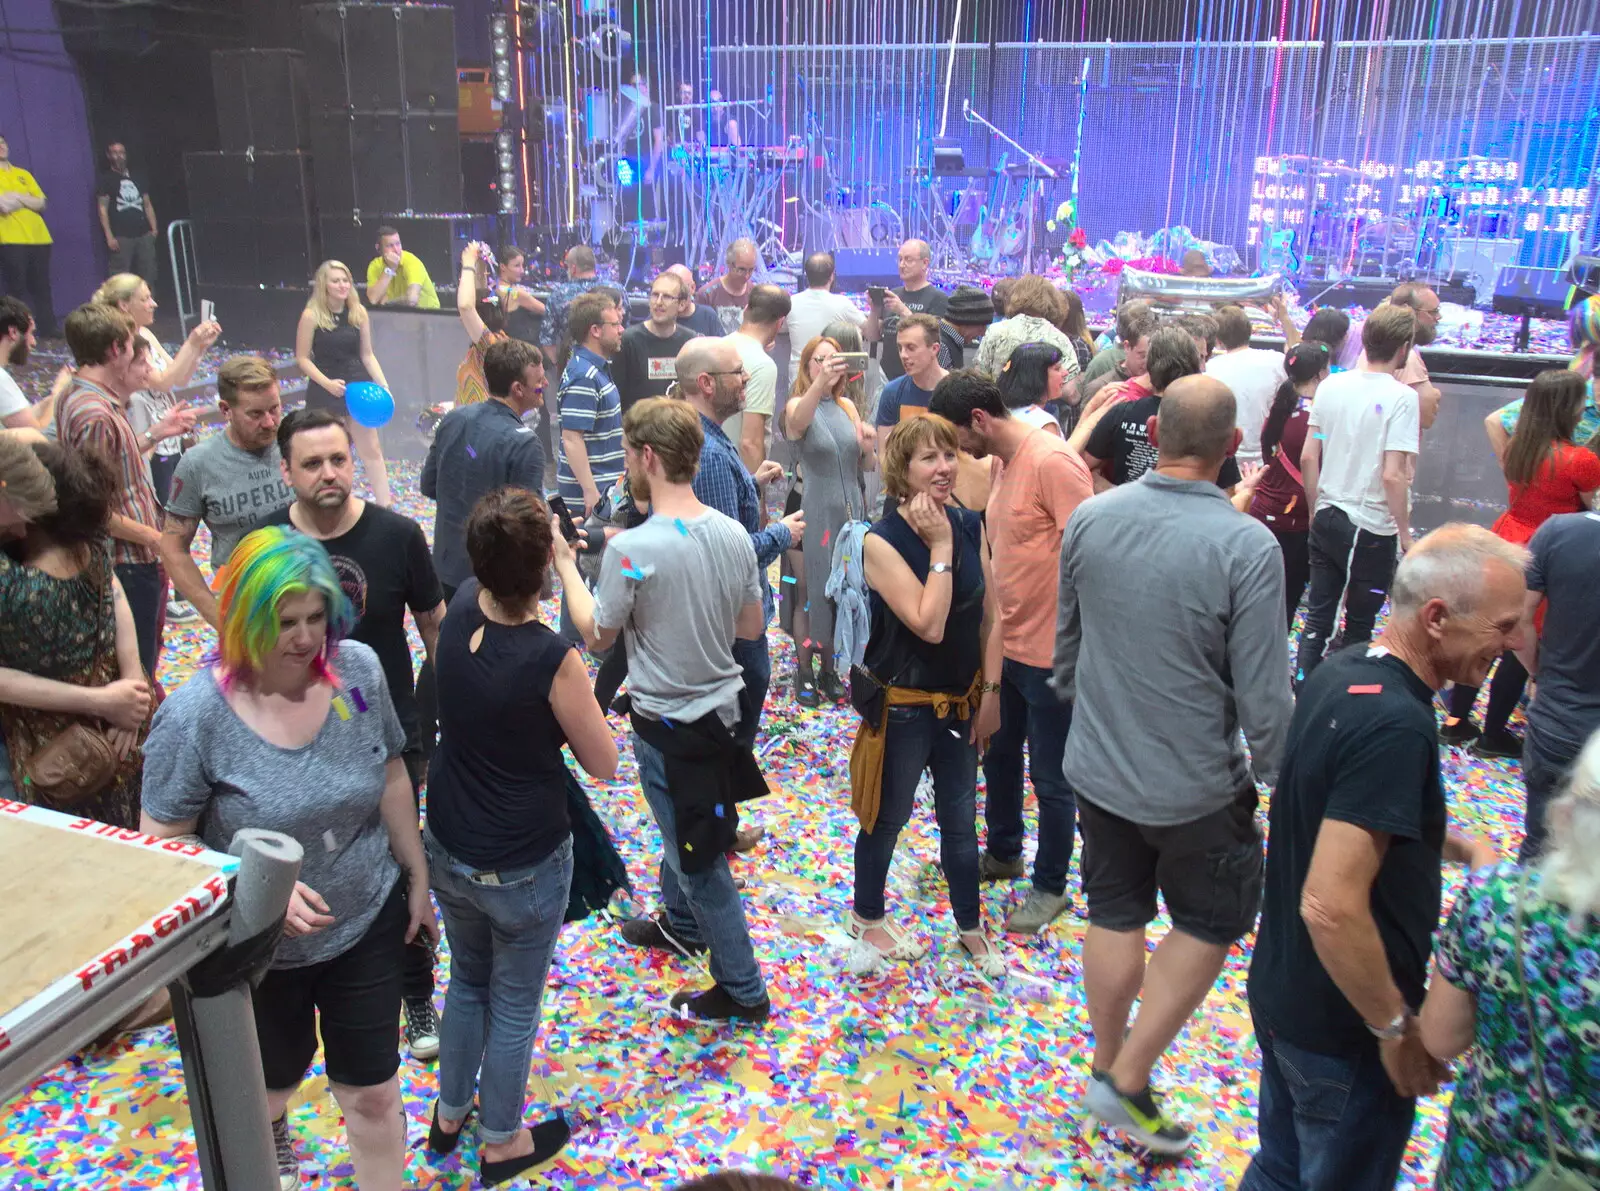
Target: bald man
x: 1166, y: 588
x: 729, y: 294
x: 702, y: 320
x: 916, y: 295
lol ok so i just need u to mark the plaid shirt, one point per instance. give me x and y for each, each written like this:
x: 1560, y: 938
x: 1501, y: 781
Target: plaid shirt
x: 723, y: 483
x: 88, y: 416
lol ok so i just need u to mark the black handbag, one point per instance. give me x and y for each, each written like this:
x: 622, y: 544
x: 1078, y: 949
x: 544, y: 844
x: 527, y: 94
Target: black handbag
x: 868, y: 696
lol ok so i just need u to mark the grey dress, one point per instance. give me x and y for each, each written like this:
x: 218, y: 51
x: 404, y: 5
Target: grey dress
x: 830, y: 457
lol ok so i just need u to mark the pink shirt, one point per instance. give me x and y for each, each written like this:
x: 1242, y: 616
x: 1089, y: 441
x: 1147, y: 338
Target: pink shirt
x: 1027, y: 516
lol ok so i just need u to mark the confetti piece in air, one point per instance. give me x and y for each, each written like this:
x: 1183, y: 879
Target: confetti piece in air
x: 471, y: 451
x: 826, y: 534
x: 912, y: 1076
x: 355, y: 697
x: 681, y: 527
x: 1371, y: 689
x: 790, y: 579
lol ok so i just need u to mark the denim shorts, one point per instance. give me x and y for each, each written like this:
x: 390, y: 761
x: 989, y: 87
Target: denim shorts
x: 1208, y: 871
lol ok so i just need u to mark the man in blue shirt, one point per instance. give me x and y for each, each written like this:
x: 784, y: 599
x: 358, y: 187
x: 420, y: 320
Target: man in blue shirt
x: 478, y: 448
x: 711, y: 378
x: 910, y: 392
x: 588, y: 406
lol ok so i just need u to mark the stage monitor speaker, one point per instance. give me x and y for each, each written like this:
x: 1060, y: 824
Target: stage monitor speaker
x: 381, y: 161
x: 261, y: 100
x: 1537, y: 293
x: 249, y: 186
x: 271, y: 252
x: 381, y: 57
x: 856, y: 268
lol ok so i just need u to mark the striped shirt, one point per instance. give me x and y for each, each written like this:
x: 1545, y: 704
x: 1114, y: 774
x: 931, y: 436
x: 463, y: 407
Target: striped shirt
x: 90, y: 417
x: 589, y: 405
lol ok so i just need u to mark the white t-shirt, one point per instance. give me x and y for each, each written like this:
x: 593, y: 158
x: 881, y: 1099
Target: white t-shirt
x: 1037, y: 416
x: 12, y: 398
x: 809, y: 312
x: 1254, y: 375
x: 760, y: 391
x: 1358, y: 416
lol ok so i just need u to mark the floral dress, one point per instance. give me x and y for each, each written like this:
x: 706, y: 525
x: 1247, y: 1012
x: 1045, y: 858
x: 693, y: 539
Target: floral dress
x: 63, y: 629
x: 1496, y: 1138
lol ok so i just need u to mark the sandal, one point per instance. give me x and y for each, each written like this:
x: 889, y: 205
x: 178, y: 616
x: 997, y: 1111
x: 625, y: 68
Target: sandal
x: 905, y: 948
x: 989, y: 962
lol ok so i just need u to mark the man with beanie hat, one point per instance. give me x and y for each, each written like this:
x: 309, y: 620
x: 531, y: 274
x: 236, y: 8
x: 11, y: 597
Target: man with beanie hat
x: 966, y: 318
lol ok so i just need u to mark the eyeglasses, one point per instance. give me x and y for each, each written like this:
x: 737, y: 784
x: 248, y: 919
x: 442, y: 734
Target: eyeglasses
x: 740, y: 371
x: 605, y: 322
x: 664, y: 298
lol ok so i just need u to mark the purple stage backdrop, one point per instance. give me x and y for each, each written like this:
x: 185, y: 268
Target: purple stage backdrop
x: 42, y: 115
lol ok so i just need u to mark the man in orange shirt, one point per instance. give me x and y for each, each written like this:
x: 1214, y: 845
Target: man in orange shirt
x: 1041, y: 481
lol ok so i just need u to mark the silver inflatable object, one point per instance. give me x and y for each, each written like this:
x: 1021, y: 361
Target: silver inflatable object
x: 1200, y: 295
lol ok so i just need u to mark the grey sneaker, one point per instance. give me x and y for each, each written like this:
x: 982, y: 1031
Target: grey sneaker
x: 422, y: 1028
x: 991, y: 869
x: 1137, y: 1117
x: 1036, y: 912
x: 288, y: 1163
x: 181, y: 611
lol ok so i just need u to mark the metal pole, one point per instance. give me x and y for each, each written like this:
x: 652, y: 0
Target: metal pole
x: 217, y: 1035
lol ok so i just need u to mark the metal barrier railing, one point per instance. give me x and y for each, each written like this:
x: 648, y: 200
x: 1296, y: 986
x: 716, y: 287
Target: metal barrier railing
x: 185, y: 275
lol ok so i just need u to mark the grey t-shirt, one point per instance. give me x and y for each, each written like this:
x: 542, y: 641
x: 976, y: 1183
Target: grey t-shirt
x: 202, y: 762
x: 232, y: 490
x: 677, y: 586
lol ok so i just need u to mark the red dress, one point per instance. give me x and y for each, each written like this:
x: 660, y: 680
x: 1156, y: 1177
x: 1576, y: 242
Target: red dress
x: 1569, y: 471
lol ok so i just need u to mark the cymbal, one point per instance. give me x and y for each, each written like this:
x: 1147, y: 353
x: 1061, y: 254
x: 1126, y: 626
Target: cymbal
x: 633, y: 95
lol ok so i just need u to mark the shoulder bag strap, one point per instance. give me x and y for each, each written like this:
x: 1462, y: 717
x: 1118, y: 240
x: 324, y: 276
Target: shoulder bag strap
x: 1533, y: 1028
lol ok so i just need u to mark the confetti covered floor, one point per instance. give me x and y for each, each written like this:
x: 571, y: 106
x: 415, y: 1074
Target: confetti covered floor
x: 920, y: 1079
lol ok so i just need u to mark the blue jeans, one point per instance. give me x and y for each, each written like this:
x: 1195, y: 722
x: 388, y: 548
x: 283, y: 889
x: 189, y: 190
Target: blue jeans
x: 1326, y: 1122
x: 701, y: 907
x: 146, y: 589
x: 756, y: 663
x: 916, y: 739
x: 502, y: 939
x: 1030, y: 710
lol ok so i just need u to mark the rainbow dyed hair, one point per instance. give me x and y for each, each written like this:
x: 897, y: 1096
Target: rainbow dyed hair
x: 1584, y: 331
x: 267, y: 565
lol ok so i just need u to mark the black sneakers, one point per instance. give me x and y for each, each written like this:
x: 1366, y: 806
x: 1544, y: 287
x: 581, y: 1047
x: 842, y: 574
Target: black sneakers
x: 422, y: 1028
x: 716, y: 1004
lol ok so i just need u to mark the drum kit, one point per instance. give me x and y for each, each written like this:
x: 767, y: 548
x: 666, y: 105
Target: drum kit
x: 1438, y: 205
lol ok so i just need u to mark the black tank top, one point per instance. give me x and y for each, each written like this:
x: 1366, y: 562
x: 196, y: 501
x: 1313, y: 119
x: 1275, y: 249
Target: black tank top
x: 497, y: 794
x: 338, y: 352
x: 896, y: 655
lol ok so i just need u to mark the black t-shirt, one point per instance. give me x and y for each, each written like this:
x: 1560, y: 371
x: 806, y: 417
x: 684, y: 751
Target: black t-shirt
x: 927, y: 300
x: 384, y: 567
x: 1123, y: 437
x: 497, y: 786
x: 126, y: 210
x: 646, y: 364
x: 1363, y: 749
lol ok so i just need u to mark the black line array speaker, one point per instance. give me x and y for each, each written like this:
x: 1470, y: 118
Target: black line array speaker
x: 261, y: 100
x: 253, y: 217
x: 384, y: 130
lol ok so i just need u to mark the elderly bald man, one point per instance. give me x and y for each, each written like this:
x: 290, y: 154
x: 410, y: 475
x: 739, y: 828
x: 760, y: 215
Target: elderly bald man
x: 729, y: 294
x: 1170, y: 640
x: 1360, y: 830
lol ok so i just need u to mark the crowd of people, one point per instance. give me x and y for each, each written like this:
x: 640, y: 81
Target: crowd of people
x: 1028, y: 549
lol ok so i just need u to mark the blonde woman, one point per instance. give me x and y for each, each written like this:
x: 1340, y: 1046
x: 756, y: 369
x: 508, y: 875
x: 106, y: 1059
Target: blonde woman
x: 129, y: 293
x: 333, y: 346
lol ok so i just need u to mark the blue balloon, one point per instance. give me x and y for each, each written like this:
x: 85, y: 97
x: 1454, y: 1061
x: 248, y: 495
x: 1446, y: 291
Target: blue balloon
x: 369, y: 403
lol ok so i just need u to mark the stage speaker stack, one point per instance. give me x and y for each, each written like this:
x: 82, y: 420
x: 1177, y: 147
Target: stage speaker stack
x: 384, y: 96
x: 252, y: 204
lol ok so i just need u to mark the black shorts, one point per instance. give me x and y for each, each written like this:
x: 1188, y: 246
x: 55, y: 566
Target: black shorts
x: 319, y: 398
x: 358, y: 995
x: 1208, y: 871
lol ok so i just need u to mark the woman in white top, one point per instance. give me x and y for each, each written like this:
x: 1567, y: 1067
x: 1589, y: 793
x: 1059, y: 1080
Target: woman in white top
x: 1031, y: 381
x: 130, y: 294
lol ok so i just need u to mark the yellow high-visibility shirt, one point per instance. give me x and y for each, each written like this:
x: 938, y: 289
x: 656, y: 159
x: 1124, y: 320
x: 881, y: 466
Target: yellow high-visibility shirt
x: 22, y: 226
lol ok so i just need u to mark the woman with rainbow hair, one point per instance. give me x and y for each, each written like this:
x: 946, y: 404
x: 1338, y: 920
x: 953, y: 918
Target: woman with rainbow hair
x: 1583, y: 331
x: 290, y: 727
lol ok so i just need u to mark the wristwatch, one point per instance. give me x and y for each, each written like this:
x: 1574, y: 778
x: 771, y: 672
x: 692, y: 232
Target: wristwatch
x: 1394, y: 1031
x: 939, y: 568
x: 989, y: 688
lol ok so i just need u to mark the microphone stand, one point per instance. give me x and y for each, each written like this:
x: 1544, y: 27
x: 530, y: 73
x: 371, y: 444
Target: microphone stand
x: 1034, y: 163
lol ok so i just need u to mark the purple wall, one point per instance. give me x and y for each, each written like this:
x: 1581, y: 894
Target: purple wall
x: 43, y: 117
